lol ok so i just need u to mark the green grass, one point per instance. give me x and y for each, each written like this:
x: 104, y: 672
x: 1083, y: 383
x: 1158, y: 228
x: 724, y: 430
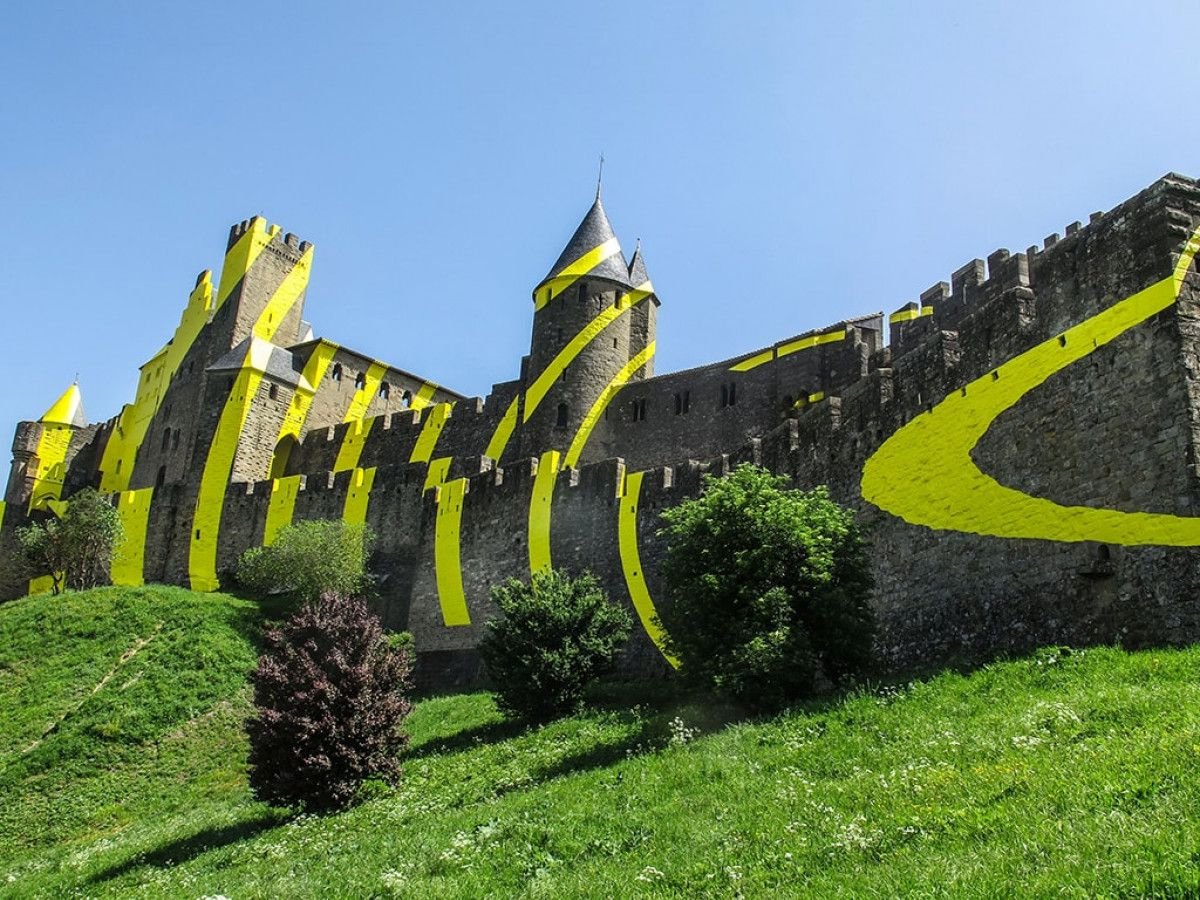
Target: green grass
x: 1057, y: 775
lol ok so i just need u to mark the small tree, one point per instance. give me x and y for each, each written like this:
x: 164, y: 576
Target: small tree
x: 766, y: 585
x: 557, y: 634
x: 76, y: 551
x: 332, y: 693
x: 309, y: 559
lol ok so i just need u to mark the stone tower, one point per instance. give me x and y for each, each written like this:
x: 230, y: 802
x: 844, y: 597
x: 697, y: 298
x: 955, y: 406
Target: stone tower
x: 593, y: 330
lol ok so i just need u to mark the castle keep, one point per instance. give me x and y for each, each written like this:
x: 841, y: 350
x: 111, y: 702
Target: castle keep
x: 1021, y: 443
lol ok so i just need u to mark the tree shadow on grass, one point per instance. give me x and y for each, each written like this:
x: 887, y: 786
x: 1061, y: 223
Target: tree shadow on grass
x: 467, y: 739
x: 184, y: 849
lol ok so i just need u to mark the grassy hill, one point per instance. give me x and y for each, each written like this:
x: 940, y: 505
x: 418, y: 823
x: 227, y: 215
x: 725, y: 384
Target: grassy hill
x: 121, y: 773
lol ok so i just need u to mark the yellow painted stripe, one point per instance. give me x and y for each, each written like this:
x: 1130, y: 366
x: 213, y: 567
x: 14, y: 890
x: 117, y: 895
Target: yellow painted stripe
x: 431, y: 430
x: 64, y: 410
x: 571, y: 273
x: 218, y: 464
x: 606, y: 396
x: 438, y: 469
x: 631, y: 565
x: 2, y: 507
x: 129, y: 557
x: 302, y: 400
x: 542, y: 384
x: 953, y: 494
x: 753, y: 362
x: 282, y: 507
x: 120, y: 453
x: 539, y: 512
x: 358, y: 496
x: 424, y: 396
x: 52, y: 447
x: 364, y: 395
x: 447, y: 560
x: 504, y: 431
x: 813, y: 340
x: 353, y: 442
x: 904, y: 315
x: 241, y: 256
x: 285, y: 297
x: 206, y: 521
x: 43, y: 584
x: 926, y: 310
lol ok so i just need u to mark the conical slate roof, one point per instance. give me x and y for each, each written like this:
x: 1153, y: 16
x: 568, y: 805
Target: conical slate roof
x: 66, y: 410
x: 638, y: 278
x: 593, y: 251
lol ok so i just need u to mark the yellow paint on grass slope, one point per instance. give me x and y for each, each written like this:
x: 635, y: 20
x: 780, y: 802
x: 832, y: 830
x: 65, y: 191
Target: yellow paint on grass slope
x: 571, y: 273
x: 597, y: 409
x: 358, y: 496
x: 539, y: 512
x: 631, y: 565
x: 283, y: 504
x: 128, y: 564
x: 447, y: 560
x: 953, y: 494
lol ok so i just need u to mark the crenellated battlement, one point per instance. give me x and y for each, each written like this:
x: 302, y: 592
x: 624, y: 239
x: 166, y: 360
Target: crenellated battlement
x: 987, y: 443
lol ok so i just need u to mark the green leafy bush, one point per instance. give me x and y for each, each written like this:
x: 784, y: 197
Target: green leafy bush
x: 76, y: 551
x: 332, y: 693
x: 767, y: 586
x: 557, y: 634
x: 309, y: 559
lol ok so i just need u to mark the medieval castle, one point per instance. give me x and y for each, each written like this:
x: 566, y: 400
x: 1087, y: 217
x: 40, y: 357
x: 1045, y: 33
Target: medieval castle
x: 1022, y: 444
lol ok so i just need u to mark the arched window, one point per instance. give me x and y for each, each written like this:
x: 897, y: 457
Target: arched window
x: 161, y: 477
x: 166, y: 442
x: 724, y: 395
x: 385, y: 390
x: 563, y: 414
x: 336, y: 372
x: 360, y: 381
x: 406, y: 399
x: 273, y: 391
x: 283, y: 452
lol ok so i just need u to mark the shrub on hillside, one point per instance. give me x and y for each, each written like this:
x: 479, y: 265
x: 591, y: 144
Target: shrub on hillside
x: 76, y: 550
x: 309, y: 559
x: 332, y: 693
x: 555, y: 636
x: 767, y: 587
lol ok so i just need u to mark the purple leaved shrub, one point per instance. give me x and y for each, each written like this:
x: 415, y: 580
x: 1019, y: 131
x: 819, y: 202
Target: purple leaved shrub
x: 331, y: 693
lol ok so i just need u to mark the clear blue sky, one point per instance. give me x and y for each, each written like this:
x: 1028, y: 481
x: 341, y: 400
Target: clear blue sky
x: 786, y: 165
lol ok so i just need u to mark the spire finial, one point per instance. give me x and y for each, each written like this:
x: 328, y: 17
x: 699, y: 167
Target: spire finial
x: 600, y: 177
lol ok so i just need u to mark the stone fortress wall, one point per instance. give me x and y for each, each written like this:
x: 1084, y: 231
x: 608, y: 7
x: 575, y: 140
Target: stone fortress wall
x: 1021, y: 450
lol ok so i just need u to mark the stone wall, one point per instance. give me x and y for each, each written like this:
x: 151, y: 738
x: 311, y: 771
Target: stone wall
x: 1114, y: 430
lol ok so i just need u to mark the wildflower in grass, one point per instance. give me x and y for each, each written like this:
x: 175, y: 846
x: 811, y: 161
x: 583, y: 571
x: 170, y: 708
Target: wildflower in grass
x: 650, y: 874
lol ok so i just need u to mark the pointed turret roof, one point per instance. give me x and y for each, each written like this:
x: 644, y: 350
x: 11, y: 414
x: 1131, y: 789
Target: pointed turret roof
x: 638, y: 278
x: 67, y: 409
x: 593, y: 251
